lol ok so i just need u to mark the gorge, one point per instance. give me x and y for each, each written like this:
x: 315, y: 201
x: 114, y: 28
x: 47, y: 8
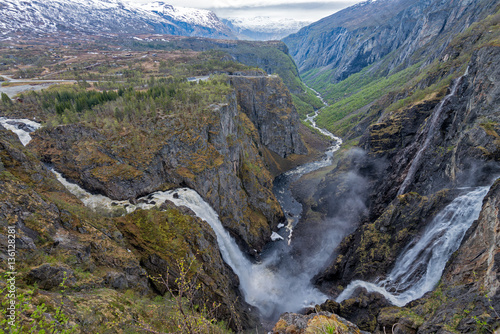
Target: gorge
x: 246, y: 202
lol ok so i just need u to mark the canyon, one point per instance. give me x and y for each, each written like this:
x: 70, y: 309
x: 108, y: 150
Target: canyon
x: 364, y: 198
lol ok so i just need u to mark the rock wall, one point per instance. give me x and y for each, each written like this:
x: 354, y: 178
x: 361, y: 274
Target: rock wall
x: 218, y: 154
x: 269, y: 106
x: 462, y: 151
x: 56, y: 236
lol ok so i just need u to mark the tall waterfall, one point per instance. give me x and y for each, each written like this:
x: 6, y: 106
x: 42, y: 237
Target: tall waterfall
x: 430, y: 133
x: 419, y: 268
x: 265, y: 285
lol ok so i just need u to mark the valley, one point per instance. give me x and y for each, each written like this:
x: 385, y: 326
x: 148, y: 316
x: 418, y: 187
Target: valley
x: 343, y: 180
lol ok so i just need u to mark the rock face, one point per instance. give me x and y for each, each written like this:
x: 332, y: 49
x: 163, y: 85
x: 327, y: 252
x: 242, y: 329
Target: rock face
x: 220, y: 157
x: 269, y: 106
x: 49, y: 277
x: 463, y: 150
x: 356, y: 37
x: 322, y: 322
x: 413, y: 162
x: 481, y: 244
x: 362, y: 309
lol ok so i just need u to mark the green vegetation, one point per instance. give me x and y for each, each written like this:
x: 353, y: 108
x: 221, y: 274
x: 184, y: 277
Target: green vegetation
x: 321, y: 80
x: 6, y: 99
x: 366, y: 95
x: 370, y: 92
x: 19, y: 318
x: 127, y: 102
x: 306, y: 102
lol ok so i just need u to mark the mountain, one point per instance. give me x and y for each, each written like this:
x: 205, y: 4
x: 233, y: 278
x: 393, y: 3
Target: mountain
x: 413, y: 86
x: 160, y: 149
x: 263, y: 27
x: 346, y: 42
x: 100, y: 17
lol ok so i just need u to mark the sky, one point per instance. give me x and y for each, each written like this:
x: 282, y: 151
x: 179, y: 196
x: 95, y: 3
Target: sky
x: 301, y: 10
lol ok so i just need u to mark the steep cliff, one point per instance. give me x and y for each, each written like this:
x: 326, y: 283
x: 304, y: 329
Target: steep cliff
x: 269, y: 106
x: 419, y: 145
x: 107, y: 262
x: 216, y: 151
x: 369, y: 56
x: 460, y: 152
x: 354, y: 38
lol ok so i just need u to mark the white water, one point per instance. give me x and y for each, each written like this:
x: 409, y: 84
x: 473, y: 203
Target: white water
x: 16, y: 126
x: 263, y: 285
x: 430, y: 133
x: 419, y: 268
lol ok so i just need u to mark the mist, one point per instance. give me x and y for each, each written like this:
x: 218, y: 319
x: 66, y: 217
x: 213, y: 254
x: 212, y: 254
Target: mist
x: 291, y: 268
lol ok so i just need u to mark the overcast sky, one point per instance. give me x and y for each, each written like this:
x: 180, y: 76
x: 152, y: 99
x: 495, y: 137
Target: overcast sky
x: 301, y: 10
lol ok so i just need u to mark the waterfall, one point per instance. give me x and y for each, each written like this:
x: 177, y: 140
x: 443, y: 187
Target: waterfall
x: 430, y: 133
x: 263, y: 284
x: 21, y: 127
x: 273, y: 286
x: 419, y: 268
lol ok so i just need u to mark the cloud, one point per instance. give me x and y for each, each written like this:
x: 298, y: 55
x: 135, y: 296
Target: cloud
x: 302, y: 11
x: 294, y: 9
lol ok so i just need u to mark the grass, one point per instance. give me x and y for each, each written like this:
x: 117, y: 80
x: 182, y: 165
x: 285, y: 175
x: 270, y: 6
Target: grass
x: 366, y: 95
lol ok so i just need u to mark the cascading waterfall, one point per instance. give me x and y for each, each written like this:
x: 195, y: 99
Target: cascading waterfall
x: 264, y: 285
x: 430, y: 133
x: 419, y: 268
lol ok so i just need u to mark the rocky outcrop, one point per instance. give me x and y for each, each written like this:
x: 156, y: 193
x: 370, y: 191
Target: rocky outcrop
x: 49, y: 277
x: 218, y: 154
x: 321, y: 322
x: 269, y: 106
x: 362, y: 309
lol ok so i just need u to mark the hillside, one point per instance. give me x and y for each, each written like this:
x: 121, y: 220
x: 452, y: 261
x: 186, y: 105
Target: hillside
x: 422, y: 110
x: 121, y: 129
x: 153, y: 183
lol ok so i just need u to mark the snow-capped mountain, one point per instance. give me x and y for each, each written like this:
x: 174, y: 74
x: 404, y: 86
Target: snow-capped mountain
x: 107, y: 17
x: 263, y: 27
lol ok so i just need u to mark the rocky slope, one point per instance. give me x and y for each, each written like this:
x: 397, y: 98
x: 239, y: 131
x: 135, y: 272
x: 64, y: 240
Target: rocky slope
x: 419, y: 144
x: 361, y: 35
x: 103, y: 258
x: 217, y: 153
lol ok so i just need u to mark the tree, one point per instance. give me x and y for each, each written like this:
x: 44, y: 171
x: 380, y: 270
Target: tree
x: 6, y: 99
